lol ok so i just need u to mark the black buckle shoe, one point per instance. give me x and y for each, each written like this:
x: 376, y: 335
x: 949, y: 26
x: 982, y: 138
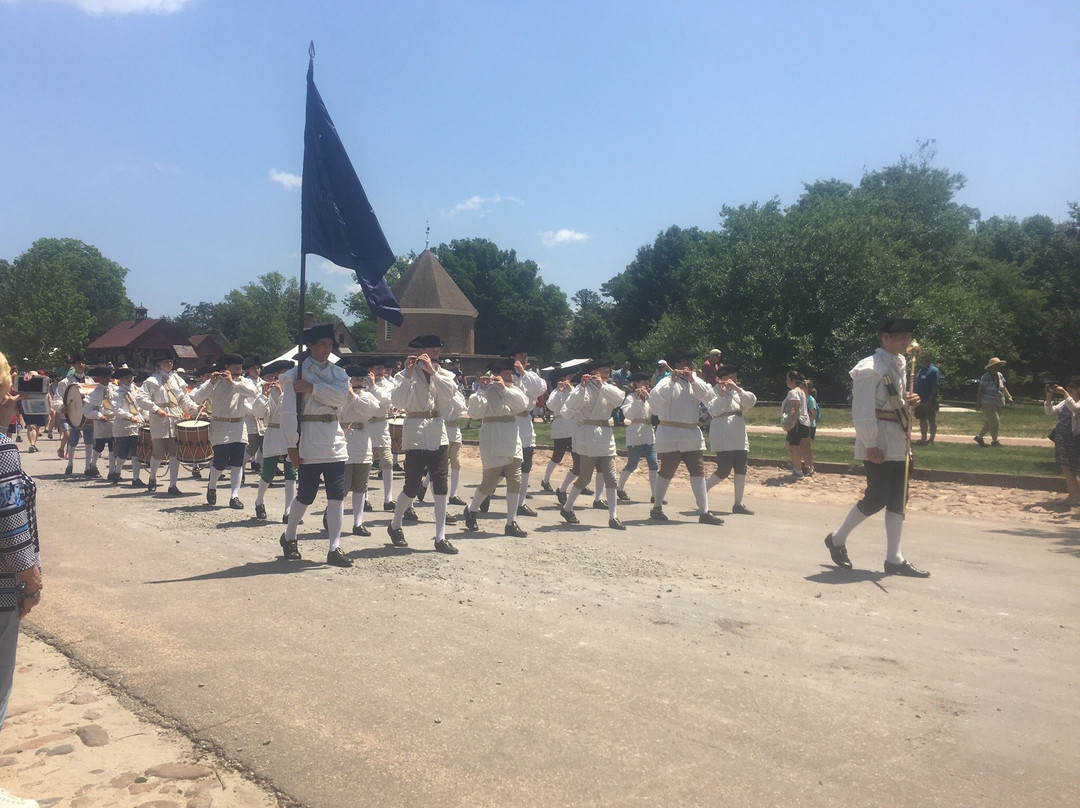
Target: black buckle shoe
x: 839, y: 554
x: 336, y: 558
x: 289, y: 548
x: 525, y: 510
x: 360, y: 530
x: 211, y: 496
x: 615, y: 524
x: 151, y: 486
x: 485, y: 505
x: 397, y: 536
x: 388, y: 506
x: 657, y: 514
x: 456, y: 500
x: 741, y: 509
x: 470, y: 521
x: 599, y: 505
x: 709, y: 518
x: 560, y: 495
x: 622, y: 495
x: 138, y: 484
x: 421, y: 493
x: 236, y: 504
x: 196, y: 473
x: 367, y: 506
x: 905, y: 568
x: 569, y: 517
x: 260, y: 510
x: 586, y: 491
x: 512, y: 529
x: 410, y: 515
x: 444, y: 546
x: 545, y: 486
x: 176, y: 492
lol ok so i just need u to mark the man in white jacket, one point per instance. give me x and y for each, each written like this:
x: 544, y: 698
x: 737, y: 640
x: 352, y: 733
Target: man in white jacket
x: 496, y: 404
x: 727, y: 432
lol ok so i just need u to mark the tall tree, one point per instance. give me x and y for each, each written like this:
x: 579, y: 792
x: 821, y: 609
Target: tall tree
x: 591, y: 333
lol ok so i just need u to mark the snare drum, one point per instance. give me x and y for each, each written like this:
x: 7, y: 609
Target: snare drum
x: 146, y: 446
x: 397, y: 430
x: 193, y: 441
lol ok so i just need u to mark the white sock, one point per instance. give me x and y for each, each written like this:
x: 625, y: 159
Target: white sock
x: 599, y: 485
x: 236, y: 475
x: 402, y: 505
x: 154, y: 463
x: 551, y: 466
x: 478, y: 497
x: 894, y: 526
x: 568, y: 480
x: 612, y: 504
x: 660, y: 491
x: 112, y: 462
x: 455, y: 478
x: 388, y: 483
x: 740, y: 488
x: 512, y: 503
x: 624, y: 477
x: 854, y: 518
x: 334, y: 515
x: 260, y: 497
x: 701, y: 495
x: 290, y: 494
x: 295, y: 515
x: 571, y: 496
x: 358, y: 501
x: 653, y: 475
x: 211, y: 481
x: 174, y: 471
x: 440, y: 515
x: 524, y: 487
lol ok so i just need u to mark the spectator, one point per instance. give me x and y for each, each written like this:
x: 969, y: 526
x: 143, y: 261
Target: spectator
x: 992, y: 397
x: 1066, y: 434
x: 796, y: 420
x: 20, y: 566
x: 709, y: 366
x: 813, y: 409
x: 927, y: 386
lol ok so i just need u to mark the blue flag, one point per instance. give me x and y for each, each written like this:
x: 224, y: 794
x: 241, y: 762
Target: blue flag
x: 337, y: 221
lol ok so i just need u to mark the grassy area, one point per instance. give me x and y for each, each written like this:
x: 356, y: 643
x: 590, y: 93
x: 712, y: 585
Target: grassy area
x: 1036, y: 461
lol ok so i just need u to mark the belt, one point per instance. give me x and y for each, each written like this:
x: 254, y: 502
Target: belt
x: 498, y: 419
x: 885, y: 415
x: 377, y: 420
x: 273, y: 426
x: 453, y: 423
x: 318, y: 419
x: 226, y: 420
x: 525, y: 414
x: 727, y: 414
x: 595, y: 423
x: 679, y: 424
x: 353, y: 424
x: 422, y: 414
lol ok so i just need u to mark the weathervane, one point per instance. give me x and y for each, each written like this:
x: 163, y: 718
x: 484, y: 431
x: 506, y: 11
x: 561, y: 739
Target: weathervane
x: 427, y: 235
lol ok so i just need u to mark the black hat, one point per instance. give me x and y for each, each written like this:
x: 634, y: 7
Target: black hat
x: 78, y: 358
x: 378, y: 360
x: 518, y: 349
x: 253, y: 362
x: 640, y: 377
x: 600, y: 363
x: 169, y: 358
x: 679, y: 354
x: 230, y: 359
x: 123, y: 372
x: 140, y: 377
x: 100, y: 370
x: 356, y: 370
x: 202, y: 371
x: 726, y: 370
x: 427, y: 341
x: 318, y: 332
x: 896, y: 325
x: 499, y: 365
x: 277, y: 366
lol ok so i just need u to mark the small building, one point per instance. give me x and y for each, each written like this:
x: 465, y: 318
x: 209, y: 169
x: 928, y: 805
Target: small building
x: 432, y: 304
x: 207, y: 348
x: 140, y: 342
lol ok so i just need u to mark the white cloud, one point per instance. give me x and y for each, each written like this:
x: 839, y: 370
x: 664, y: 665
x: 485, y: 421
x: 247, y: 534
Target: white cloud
x: 482, y: 203
x: 333, y: 269
x: 550, y: 238
x: 124, y: 6
x: 286, y: 179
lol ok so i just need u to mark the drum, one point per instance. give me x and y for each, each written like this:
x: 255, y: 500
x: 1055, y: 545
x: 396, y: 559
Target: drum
x: 73, y: 403
x: 193, y: 441
x: 397, y: 430
x: 146, y: 446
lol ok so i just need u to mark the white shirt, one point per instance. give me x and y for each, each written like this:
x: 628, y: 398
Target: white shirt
x: 533, y: 385
x: 679, y: 401
x: 500, y: 441
x: 153, y: 394
x: 728, y: 433
x: 359, y: 407
x: 418, y: 393
x: 451, y: 412
x: 638, y: 414
x: 593, y: 402
x: 561, y: 425
x: 98, y: 408
x: 128, y: 418
x: 868, y: 394
x: 318, y: 441
x: 227, y: 400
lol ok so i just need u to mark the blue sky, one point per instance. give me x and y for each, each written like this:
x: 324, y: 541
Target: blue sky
x: 168, y: 133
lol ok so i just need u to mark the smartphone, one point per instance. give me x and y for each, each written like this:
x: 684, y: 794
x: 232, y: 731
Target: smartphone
x: 38, y: 384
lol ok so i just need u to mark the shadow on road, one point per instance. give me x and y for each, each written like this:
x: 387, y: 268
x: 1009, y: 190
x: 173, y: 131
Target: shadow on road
x: 1067, y: 539
x: 277, y: 566
x: 835, y: 575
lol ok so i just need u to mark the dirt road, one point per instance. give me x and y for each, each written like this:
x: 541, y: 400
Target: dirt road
x: 667, y: 665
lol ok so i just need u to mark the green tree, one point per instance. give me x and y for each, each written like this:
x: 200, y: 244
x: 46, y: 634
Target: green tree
x: 591, y: 333
x: 514, y: 304
x: 98, y: 279
x: 356, y: 305
x: 44, y: 314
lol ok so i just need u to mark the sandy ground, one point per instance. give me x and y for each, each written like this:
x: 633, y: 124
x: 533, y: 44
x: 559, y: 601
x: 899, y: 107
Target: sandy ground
x: 122, y: 737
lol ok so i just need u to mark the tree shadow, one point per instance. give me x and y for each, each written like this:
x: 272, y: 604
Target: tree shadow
x: 1066, y: 539
x: 783, y: 479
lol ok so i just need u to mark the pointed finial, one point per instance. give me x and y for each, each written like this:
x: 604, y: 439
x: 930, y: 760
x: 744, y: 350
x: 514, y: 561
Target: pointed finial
x: 427, y: 236
x: 311, y: 49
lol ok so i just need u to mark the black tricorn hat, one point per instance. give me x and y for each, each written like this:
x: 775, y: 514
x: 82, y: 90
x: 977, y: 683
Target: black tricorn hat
x: 726, y: 370
x: 78, y: 358
x: 141, y: 377
x: 123, y: 372
x: 253, y: 362
x: 427, y: 341
x: 230, y: 359
x: 277, y: 366
x: 600, y: 363
x: 318, y: 332
x: 204, y: 369
x: 896, y: 325
x: 500, y: 365
x: 356, y: 370
x: 99, y: 370
x: 640, y: 377
x: 680, y: 354
x: 168, y: 358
